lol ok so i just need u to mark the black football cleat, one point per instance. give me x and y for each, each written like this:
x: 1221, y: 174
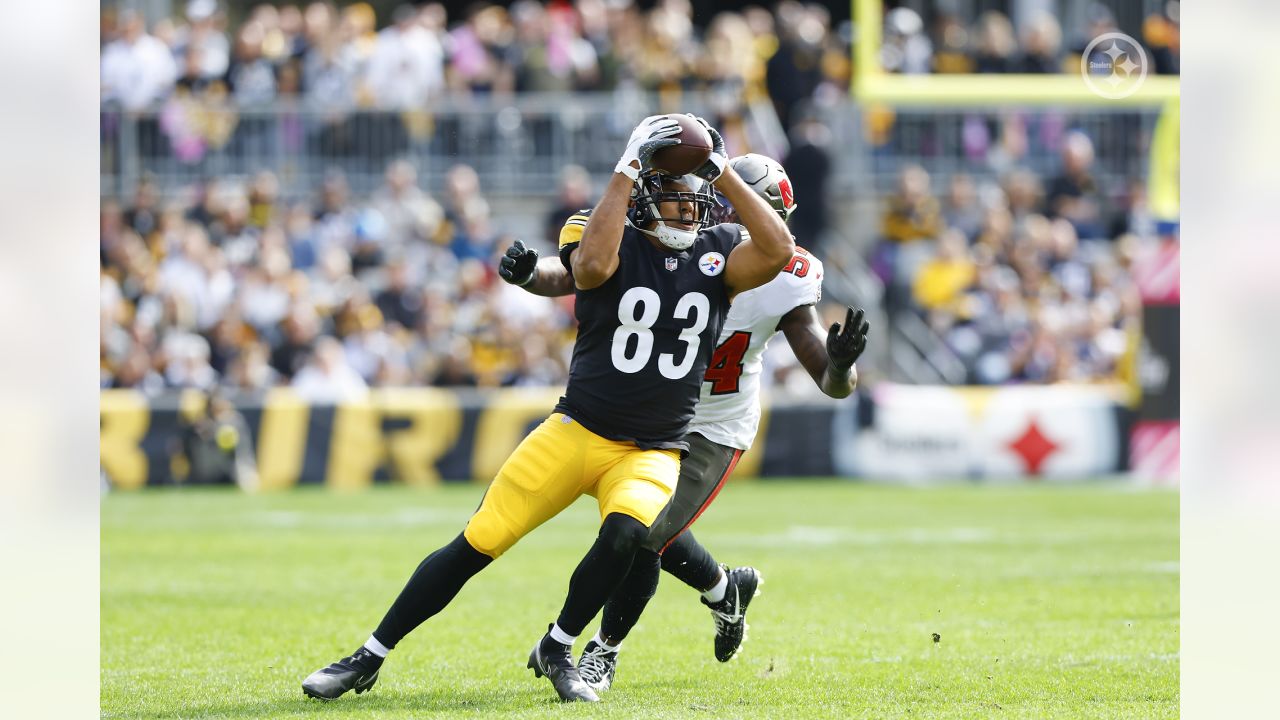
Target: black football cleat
x: 358, y: 671
x: 730, y: 614
x: 597, y: 666
x: 555, y: 661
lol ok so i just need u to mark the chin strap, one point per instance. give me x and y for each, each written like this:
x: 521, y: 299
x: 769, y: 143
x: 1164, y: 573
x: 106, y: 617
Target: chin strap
x: 671, y: 237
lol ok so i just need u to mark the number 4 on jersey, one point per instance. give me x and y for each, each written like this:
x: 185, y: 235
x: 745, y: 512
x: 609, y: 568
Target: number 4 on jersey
x: 726, y: 363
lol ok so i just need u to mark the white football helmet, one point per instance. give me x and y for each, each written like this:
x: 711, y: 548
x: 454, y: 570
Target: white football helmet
x: 767, y: 178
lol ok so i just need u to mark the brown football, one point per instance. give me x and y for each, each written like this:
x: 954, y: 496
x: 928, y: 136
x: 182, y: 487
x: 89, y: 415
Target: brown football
x: 690, y: 154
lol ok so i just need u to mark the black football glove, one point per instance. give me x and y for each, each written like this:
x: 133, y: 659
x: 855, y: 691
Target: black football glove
x: 714, y: 167
x: 844, y: 345
x: 519, y: 265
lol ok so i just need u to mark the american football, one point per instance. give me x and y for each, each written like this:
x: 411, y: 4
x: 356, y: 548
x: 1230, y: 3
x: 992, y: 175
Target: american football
x: 693, y: 150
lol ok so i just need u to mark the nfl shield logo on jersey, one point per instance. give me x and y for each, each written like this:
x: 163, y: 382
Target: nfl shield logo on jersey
x: 672, y: 263
x: 711, y: 263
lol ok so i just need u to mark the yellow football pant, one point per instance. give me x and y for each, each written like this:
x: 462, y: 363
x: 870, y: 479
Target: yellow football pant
x: 558, y: 462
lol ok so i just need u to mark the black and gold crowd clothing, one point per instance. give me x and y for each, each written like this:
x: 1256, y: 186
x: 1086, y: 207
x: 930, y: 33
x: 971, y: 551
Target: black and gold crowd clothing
x: 645, y: 336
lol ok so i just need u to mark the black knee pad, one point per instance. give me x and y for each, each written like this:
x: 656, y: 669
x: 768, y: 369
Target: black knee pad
x: 622, y: 534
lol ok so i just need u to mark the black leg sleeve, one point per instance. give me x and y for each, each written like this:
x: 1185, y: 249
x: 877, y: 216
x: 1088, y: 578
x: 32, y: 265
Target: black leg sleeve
x: 431, y: 587
x: 601, y: 571
x: 627, y: 603
x: 691, y: 563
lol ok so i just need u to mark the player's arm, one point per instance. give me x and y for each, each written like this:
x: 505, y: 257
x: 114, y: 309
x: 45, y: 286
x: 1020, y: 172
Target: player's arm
x: 595, y: 259
x: 767, y: 245
x: 829, y: 355
x: 550, y: 279
x: 520, y: 266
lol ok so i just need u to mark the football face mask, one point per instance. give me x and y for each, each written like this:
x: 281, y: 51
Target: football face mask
x: 660, y: 200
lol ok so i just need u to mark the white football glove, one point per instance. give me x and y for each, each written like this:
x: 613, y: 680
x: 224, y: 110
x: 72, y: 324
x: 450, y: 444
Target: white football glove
x: 652, y: 134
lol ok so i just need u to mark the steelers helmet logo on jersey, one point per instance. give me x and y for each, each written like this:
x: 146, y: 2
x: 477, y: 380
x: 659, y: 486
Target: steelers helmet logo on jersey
x: 711, y: 264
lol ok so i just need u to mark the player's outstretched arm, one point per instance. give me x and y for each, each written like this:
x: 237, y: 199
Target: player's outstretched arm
x: 520, y: 267
x: 769, y: 247
x: 551, y: 279
x: 828, y: 355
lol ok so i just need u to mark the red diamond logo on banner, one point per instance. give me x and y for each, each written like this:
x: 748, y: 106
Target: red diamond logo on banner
x: 1033, y: 447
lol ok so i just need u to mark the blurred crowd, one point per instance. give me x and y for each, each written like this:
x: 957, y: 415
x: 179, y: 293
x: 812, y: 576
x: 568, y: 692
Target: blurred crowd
x: 1028, y: 279
x: 345, y: 56
x: 232, y: 287
x: 235, y: 284
x: 991, y: 44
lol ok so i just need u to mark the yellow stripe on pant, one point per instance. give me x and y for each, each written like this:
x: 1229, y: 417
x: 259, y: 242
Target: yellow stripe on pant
x: 554, y: 465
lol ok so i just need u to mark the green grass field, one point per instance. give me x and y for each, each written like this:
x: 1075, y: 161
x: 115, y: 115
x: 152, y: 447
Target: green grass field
x: 1049, y: 602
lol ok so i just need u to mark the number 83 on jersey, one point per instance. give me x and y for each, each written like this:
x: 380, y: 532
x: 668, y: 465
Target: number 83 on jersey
x: 638, y: 311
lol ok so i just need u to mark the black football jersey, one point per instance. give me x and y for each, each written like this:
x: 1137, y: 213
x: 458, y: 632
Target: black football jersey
x: 645, y: 336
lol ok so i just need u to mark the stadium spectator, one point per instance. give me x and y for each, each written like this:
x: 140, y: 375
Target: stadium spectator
x: 809, y: 167
x: 327, y: 377
x: 996, y: 44
x: 1074, y: 194
x: 575, y: 195
x: 943, y: 278
x: 407, y: 210
x: 137, y: 69
x: 951, y: 39
x: 1161, y: 35
x: 1041, y: 42
x: 467, y: 214
x: 912, y: 213
x: 398, y: 301
x: 906, y: 48
x: 548, y: 54
x: 794, y: 72
x: 251, y: 76
x: 960, y: 209
x: 407, y: 65
x: 479, y: 52
x: 215, y: 446
x: 202, y: 44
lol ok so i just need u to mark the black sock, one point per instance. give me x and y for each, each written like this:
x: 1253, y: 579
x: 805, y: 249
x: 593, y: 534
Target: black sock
x: 691, y: 563
x: 431, y: 587
x: 598, y: 575
x: 626, y: 604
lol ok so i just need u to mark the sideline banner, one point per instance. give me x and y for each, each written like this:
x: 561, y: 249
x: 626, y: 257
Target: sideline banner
x: 421, y: 436
x: 415, y: 436
x: 928, y: 434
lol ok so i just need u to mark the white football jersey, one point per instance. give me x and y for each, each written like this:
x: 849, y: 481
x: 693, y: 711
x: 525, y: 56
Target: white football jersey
x: 728, y: 411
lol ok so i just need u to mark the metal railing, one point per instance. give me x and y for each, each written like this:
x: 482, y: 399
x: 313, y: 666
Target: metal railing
x: 520, y: 144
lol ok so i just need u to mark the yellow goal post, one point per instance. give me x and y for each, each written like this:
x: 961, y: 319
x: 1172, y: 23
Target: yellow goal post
x: 872, y: 84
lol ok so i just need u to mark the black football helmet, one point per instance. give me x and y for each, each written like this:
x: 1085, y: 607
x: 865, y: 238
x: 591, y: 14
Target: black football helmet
x: 652, y: 189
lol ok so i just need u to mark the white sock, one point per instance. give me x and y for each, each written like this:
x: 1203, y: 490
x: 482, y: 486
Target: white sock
x: 607, y: 647
x: 716, y: 594
x: 561, y: 636
x: 375, y: 647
